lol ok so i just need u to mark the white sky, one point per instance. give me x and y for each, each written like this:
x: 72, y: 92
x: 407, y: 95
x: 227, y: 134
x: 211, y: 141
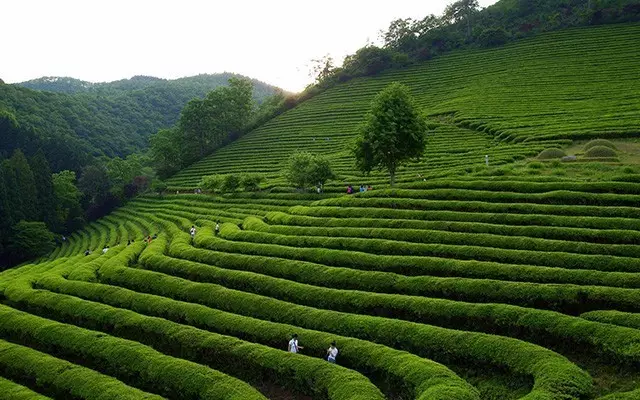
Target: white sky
x: 271, y: 40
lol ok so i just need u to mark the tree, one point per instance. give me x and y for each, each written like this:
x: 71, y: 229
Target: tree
x: 30, y: 240
x: 230, y: 183
x: 461, y: 10
x: 23, y: 195
x: 322, y: 68
x: 67, y: 199
x: 159, y: 187
x: 305, y: 169
x: 211, y: 183
x: 94, y: 183
x: 44, y: 188
x: 251, y: 182
x: 166, y: 152
x: 393, y: 132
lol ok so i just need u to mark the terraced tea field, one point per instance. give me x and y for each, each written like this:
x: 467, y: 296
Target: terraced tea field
x: 507, y: 102
x: 493, y: 288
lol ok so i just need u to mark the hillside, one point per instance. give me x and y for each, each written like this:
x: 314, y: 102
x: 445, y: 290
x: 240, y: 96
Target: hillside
x: 520, y: 280
x: 508, y: 102
x: 112, y: 119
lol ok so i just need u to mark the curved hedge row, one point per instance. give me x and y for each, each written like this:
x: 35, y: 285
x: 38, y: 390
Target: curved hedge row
x: 448, y: 245
x: 631, y: 320
x: 222, y: 352
x: 608, y: 236
x: 469, y: 216
x: 525, y: 323
x: 560, y: 197
x: 58, y: 378
x: 128, y: 360
x: 12, y: 391
x: 423, y: 378
x: 165, y: 285
x: 552, y: 373
x: 471, y: 205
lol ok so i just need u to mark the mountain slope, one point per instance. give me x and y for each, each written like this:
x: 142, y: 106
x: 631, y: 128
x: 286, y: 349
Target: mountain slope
x: 578, y: 83
x: 114, y: 118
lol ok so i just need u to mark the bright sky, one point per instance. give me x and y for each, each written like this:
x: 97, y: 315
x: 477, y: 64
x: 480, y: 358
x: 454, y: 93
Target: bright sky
x: 271, y: 40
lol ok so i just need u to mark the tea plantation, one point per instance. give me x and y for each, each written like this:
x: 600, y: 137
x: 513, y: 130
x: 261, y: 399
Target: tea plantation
x: 462, y: 283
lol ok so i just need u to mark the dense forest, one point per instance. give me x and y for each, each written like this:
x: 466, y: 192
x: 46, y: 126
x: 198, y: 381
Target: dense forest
x: 71, y: 119
x: 464, y: 24
x: 71, y: 151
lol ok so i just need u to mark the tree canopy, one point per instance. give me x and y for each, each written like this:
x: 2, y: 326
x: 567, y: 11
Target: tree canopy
x: 394, y: 132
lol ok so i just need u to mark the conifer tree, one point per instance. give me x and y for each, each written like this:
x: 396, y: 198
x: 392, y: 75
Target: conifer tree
x: 44, y: 188
x: 23, y: 197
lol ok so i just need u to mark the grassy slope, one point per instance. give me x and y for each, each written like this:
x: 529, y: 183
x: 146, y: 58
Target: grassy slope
x: 571, y: 84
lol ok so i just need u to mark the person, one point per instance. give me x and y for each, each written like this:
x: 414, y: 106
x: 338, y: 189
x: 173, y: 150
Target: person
x: 87, y: 252
x: 293, y: 344
x: 486, y: 159
x: 129, y: 242
x: 149, y: 239
x: 349, y: 189
x: 192, y: 231
x: 369, y: 188
x: 106, y: 248
x: 217, y: 227
x: 362, y: 189
x: 155, y: 236
x: 332, y: 353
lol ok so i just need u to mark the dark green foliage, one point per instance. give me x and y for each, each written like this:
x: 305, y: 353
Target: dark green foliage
x: 125, y: 359
x: 251, y: 182
x: 204, y: 125
x: 30, y: 240
x: 230, y: 183
x: 46, y: 199
x: 58, y: 378
x: 394, y: 132
x: 211, y: 183
x: 305, y: 169
x: 159, y: 187
x: 69, y: 213
x: 22, y: 191
x: 493, y: 37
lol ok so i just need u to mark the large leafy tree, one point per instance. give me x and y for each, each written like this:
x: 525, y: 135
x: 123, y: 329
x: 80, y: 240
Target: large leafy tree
x: 462, y: 10
x: 30, y: 239
x: 69, y: 214
x: 211, y: 122
x: 305, y: 169
x: 393, y: 132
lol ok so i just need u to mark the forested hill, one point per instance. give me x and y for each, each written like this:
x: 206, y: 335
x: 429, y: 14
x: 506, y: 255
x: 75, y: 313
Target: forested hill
x: 197, y: 84
x: 83, y: 119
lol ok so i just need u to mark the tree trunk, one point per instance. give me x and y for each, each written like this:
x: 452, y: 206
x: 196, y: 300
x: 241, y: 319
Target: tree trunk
x: 392, y: 175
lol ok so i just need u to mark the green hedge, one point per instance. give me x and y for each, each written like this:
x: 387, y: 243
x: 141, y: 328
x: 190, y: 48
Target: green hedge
x: 127, y: 360
x: 12, y: 391
x: 310, y: 375
x: 525, y: 186
x: 496, y: 217
x: 481, y: 247
x: 632, y: 320
x: 363, y: 225
x: 556, y: 197
x: 380, y: 270
x: 58, y: 378
x: 438, y: 343
x: 423, y: 378
x: 472, y: 204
